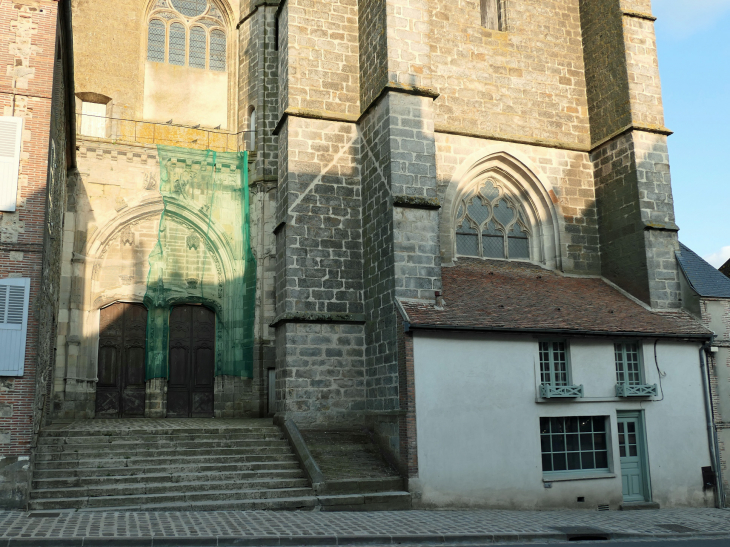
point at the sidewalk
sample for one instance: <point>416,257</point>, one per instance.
<point>316,528</point>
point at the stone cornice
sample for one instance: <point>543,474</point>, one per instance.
<point>658,129</point>
<point>416,202</point>
<point>546,143</point>
<point>318,317</point>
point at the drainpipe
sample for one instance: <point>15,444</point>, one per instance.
<point>711,433</point>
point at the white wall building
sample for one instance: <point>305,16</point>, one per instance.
<point>545,400</point>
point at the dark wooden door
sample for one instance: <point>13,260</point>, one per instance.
<point>192,362</point>
<point>120,391</point>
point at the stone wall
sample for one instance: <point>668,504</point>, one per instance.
<point>528,82</point>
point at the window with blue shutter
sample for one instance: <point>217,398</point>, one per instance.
<point>14,298</point>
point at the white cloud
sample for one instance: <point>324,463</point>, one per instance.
<point>685,18</point>
<point>719,258</point>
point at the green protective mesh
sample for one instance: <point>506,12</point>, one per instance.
<point>203,255</point>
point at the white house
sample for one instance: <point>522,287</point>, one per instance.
<point>534,389</point>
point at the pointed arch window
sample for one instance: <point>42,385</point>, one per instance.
<point>490,223</point>
<point>177,44</point>
<point>217,50</point>
<point>156,41</point>
<point>197,47</point>
<point>187,33</point>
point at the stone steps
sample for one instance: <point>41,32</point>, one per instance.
<point>222,496</point>
<point>46,472</point>
<point>156,449</point>
<point>98,466</point>
<point>93,479</point>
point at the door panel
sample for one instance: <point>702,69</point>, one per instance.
<point>634,470</point>
<point>192,362</point>
<point>120,391</point>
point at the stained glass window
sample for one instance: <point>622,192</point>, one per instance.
<point>190,8</point>
<point>497,216</point>
<point>176,53</point>
<point>197,47</point>
<point>156,41</point>
<point>218,50</point>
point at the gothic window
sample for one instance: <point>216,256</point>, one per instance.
<point>193,32</point>
<point>177,44</point>
<point>156,41</point>
<point>493,14</point>
<point>490,224</point>
<point>217,50</point>
<point>197,47</point>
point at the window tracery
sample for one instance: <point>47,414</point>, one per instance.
<point>490,223</point>
<point>187,32</point>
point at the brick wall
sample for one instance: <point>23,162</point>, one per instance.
<point>32,88</point>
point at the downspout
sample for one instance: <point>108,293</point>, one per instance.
<point>711,433</point>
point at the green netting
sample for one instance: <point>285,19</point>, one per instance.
<point>203,255</point>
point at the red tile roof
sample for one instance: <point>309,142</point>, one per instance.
<point>515,296</point>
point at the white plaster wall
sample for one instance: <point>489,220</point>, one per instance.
<point>478,419</point>
<point>188,96</point>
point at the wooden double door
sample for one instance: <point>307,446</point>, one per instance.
<point>192,362</point>
<point>120,391</point>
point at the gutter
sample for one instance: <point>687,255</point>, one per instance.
<point>711,430</point>
<point>568,332</point>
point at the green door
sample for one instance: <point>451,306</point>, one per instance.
<point>634,474</point>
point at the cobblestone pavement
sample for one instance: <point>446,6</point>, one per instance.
<point>318,528</point>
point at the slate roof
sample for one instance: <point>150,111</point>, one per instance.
<point>704,278</point>
<point>498,295</point>
<point>725,268</point>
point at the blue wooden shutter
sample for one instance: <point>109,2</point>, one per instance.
<point>14,298</point>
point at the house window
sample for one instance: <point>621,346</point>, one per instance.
<point>574,444</point>
<point>490,223</point>
<point>11,134</point>
<point>554,363</point>
<point>192,30</point>
<point>628,364</point>
<point>493,14</point>
<point>14,300</point>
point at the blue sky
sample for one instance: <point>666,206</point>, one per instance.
<point>694,64</point>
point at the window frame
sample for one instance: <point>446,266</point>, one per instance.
<point>596,472</point>
<point>640,356</point>
<point>568,367</point>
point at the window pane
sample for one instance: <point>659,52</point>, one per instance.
<point>572,443</point>
<point>602,460</point>
<point>559,463</point>
<point>544,425</point>
<point>493,246</point>
<point>467,244</point>
<point>545,363</point>
<point>571,425</point>
<point>574,459</point>
<point>586,442</point>
<point>477,210</point>
<point>599,423</point>
<point>632,365</point>
<point>218,51</point>
<point>618,351</point>
<point>587,460</point>
<point>519,246</point>
<point>502,213</point>
<point>176,53</point>
<point>190,8</point>
<point>197,48</point>
<point>545,443</point>
<point>599,440</point>
<point>557,425</point>
<point>547,462</point>
<point>489,191</point>
<point>156,41</point>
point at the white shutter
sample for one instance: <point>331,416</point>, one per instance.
<point>14,298</point>
<point>11,135</point>
<point>93,119</point>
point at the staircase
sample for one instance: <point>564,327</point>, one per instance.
<point>173,464</point>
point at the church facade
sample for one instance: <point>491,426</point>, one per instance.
<point>298,209</point>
